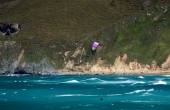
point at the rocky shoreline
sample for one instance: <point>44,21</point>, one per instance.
<point>99,68</point>
<point>118,73</point>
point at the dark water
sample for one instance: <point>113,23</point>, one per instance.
<point>84,92</point>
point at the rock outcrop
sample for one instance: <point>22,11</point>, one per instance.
<point>9,29</point>
<point>16,64</point>
<point>146,4</point>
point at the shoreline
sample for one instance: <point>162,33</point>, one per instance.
<point>102,73</point>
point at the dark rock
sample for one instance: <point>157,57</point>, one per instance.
<point>146,4</point>
<point>9,29</point>
<point>113,4</point>
<point>20,72</point>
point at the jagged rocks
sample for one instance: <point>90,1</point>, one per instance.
<point>9,29</point>
<point>166,64</point>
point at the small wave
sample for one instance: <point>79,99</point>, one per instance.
<point>122,82</point>
<point>160,83</point>
<point>121,78</point>
<point>72,81</point>
<point>40,81</point>
<point>73,95</point>
<point>93,79</point>
<point>139,82</point>
<point>3,93</point>
<point>166,75</point>
<point>150,90</point>
<point>139,91</point>
<point>141,77</point>
<point>140,101</point>
<point>136,91</point>
<point>113,94</point>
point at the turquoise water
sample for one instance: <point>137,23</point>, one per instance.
<point>27,92</point>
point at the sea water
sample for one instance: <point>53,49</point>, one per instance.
<point>64,92</point>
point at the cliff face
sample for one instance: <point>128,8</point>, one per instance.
<point>119,67</point>
<point>12,61</point>
<point>15,64</point>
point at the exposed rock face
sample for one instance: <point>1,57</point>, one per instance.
<point>120,62</point>
<point>9,29</point>
<point>18,65</point>
<point>5,44</point>
<point>15,63</point>
<point>166,64</point>
<point>119,66</point>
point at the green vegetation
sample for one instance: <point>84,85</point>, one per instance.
<point>52,27</point>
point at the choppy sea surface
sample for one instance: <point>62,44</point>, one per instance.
<point>63,92</point>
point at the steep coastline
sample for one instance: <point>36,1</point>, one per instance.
<point>17,65</point>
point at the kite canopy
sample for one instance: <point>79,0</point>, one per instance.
<point>95,45</point>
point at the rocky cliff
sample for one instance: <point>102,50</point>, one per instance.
<point>15,64</point>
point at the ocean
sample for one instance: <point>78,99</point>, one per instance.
<point>83,92</point>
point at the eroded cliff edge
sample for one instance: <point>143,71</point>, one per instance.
<point>16,64</point>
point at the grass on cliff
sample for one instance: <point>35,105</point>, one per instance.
<point>141,37</point>
<point>52,27</point>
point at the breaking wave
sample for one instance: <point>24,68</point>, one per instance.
<point>139,91</point>
<point>160,83</point>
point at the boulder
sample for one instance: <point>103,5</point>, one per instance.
<point>9,29</point>
<point>146,4</point>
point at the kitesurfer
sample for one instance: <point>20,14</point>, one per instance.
<point>101,98</point>
<point>94,47</point>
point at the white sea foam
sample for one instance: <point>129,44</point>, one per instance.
<point>40,81</point>
<point>72,81</point>
<point>138,82</point>
<point>139,91</point>
<point>122,82</point>
<point>136,91</point>
<point>150,90</point>
<point>139,101</point>
<point>72,95</point>
<point>121,78</point>
<point>113,94</point>
<point>160,83</point>
<point>4,93</point>
<point>141,77</point>
<point>166,75</point>
<point>92,79</point>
